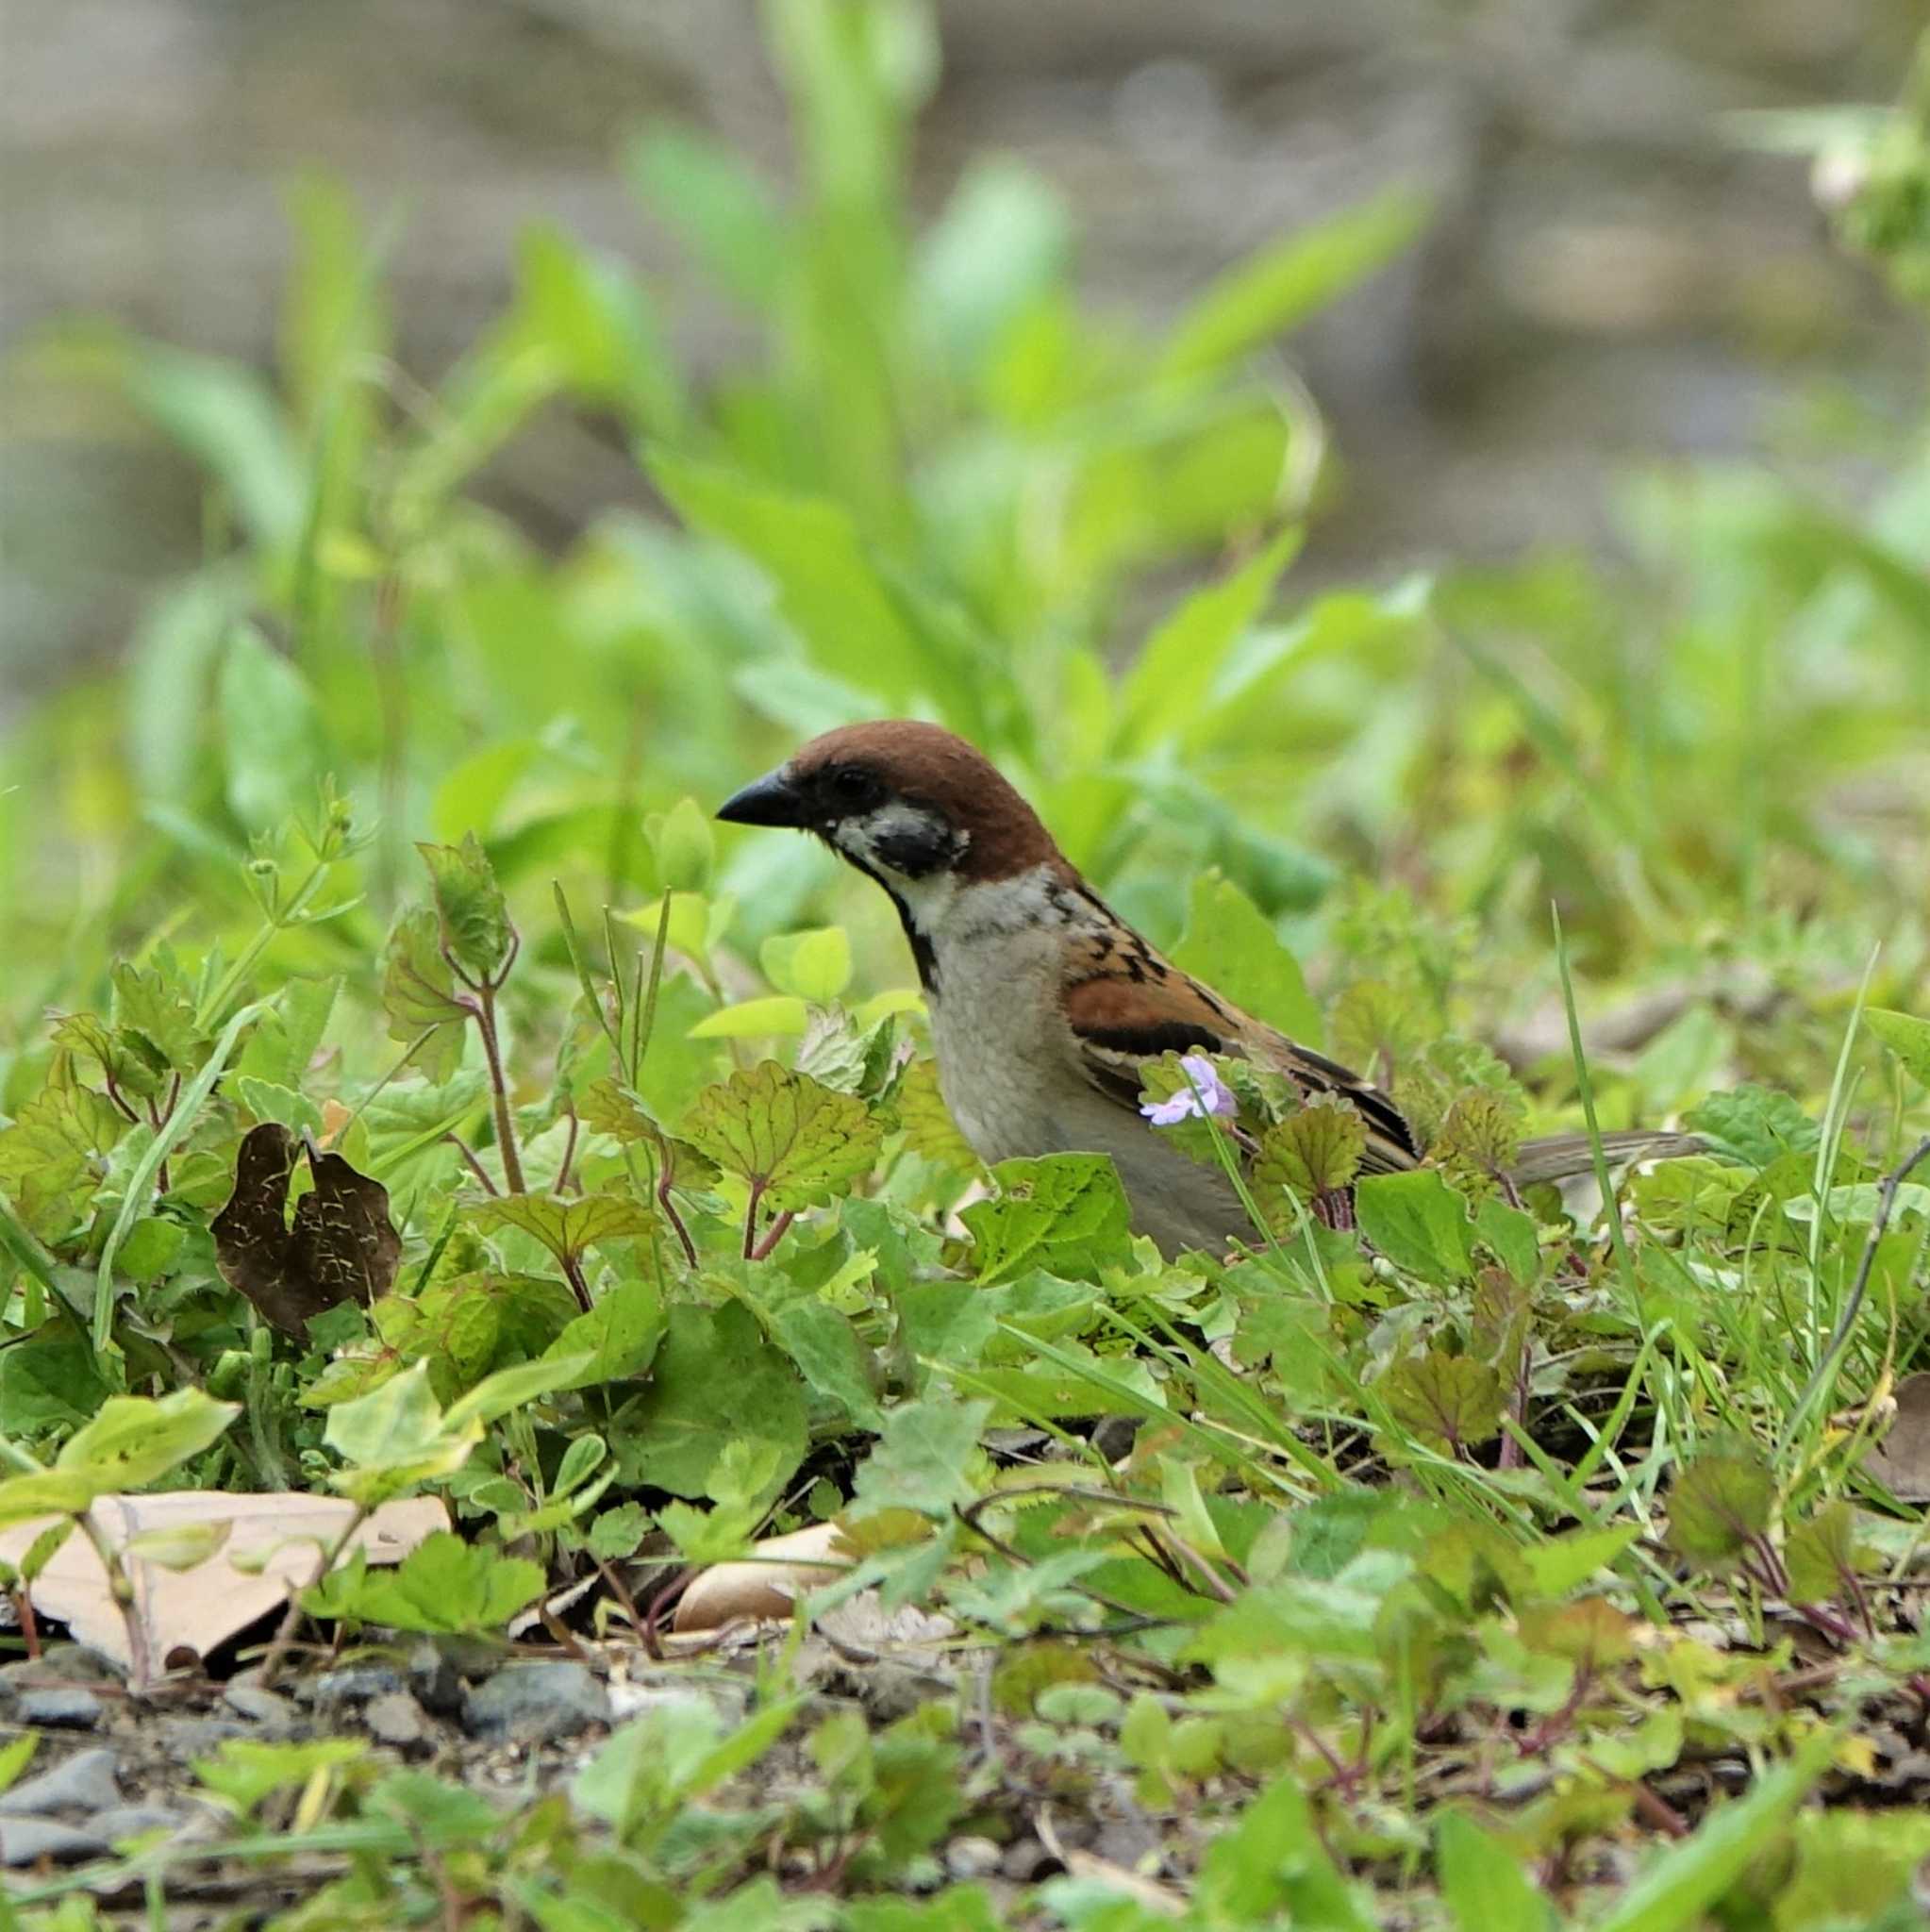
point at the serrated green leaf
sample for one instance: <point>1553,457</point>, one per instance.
<point>929,1128</point>
<point>160,1009</point>
<point>1065,1213</point>
<point>1450,1400</point>
<point>418,994</point>
<point>443,1584</point>
<point>473,914</point>
<point>1313,1151</point>
<point>50,1158</point>
<point>1719,1504</point>
<point>791,1139</point>
<point>922,1459</point>
<point>565,1224</point>
<point>1820,1554</point>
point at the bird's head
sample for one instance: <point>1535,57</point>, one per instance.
<point>916,807</point>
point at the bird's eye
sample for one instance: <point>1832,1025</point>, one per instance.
<point>853,787</point>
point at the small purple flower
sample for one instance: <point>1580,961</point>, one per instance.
<point>1213,1096</point>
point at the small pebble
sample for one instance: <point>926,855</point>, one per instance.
<point>63,1708</point>
<point>536,1704</point>
<point>971,1857</point>
<point>353,1684</point>
<point>27,1840</point>
<point>85,1782</point>
<point>397,1718</point>
<point>269,1708</point>
<point>130,1821</point>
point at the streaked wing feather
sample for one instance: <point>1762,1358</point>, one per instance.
<point>1122,1021</point>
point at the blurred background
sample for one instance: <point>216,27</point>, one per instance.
<point>1608,270</point>
<point>1424,459</point>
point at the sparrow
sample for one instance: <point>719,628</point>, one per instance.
<point>1044,1004</point>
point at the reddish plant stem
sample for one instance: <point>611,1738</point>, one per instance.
<point>773,1235</point>
<point>666,1205</point>
<point>476,1166</point>
<point>485,1009</point>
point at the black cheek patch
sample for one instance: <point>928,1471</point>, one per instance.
<point>916,850</point>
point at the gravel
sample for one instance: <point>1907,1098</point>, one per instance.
<point>536,1704</point>
<point>87,1781</point>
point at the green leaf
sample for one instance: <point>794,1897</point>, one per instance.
<point>1449,1400</point>
<point>1557,1565</point>
<point>1278,287</point>
<point>1065,1213</point>
<point>1483,1883</point>
<point>1230,944</point>
<point>1679,1885</point>
<point>923,1459</point>
<point>1754,1125</point>
<point>853,626</point>
<point>1719,1504</point>
<point>724,212</point>
<point>565,1224</point>
<point>473,915</point>
<point>814,965</point>
<point>1821,1556</point>
<point>685,847</point>
<point>443,1584</point>
<point>394,1437</point>
<point>1165,690</point>
<point>760,1019</point>
<point>716,1381</point>
<point>135,1440</point>
<point>418,994</point>
<point>512,1388</point>
<point>160,1010</point>
<point>1419,1223</point>
<point>618,1336</point>
<point>1906,1035</point>
<point>46,1493</point>
<point>1314,1150</point>
<point>1272,1867</point>
<point>929,1128</point>
<point>270,733</point>
<point>50,1162</point>
<point>791,1139</point>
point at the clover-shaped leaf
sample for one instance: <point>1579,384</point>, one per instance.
<point>792,1139</point>
<point>566,1225</point>
<point>1448,1399</point>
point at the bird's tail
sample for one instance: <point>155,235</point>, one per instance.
<point>1562,1157</point>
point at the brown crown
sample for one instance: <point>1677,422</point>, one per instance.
<point>926,765</point>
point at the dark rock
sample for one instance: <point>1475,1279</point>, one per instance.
<point>27,1840</point>
<point>85,1782</point>
<point>130,1821</point>
<point>59,1707</point>
<point>397,1718</point>
<point>435,1676</point>
<point>352,1684</point>
<point>536,1704</point>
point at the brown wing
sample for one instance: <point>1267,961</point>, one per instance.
<point>1127,1005</point>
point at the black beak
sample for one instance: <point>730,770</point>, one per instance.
<point>770,800</point>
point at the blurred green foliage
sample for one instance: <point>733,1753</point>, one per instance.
<point>927,479</point>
